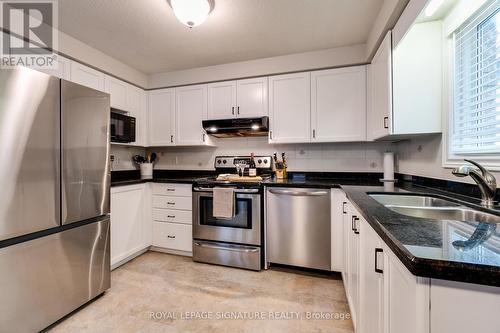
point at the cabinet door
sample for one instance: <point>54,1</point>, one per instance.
<point>371,281</point>
<point>162,117</point>
<point>127,218</point>
<point>252,98</point>
<point>63,70</point>
<point>338,105</point>
<point>290,108</point>
<point>87,76</point>
<point>222,100</point>
<point>406,298</point>
<point>191,109</point>
<point>380,91</point>
<point>137,107</point>
<point>353,266</point>
<point>117,89</point>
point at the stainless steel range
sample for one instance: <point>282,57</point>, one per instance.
<point>235,241</point>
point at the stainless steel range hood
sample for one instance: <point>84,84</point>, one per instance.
<point>226,128</point>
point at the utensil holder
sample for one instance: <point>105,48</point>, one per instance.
<point>281,173</point>
<point>146,170</point>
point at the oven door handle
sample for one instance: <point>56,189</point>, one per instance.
<point>239,190</point>
<point>228,248</point>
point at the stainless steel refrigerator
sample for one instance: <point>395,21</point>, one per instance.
<point>54,198</point>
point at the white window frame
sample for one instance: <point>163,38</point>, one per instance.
<point>490,161</point>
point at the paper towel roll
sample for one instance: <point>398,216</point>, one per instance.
<point>388,166</point>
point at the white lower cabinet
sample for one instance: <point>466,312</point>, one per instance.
<point>383,296</point>
<point>173,236</point>
<point>130,227</point>
<point>172,217</point>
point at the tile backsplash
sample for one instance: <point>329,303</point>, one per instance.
<point>333,157</point>
<point>122,157</point>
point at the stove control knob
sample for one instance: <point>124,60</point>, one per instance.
<point>219,161</point>
<point>265,161</point>
<point>224,161</point>
<point>259,161</point>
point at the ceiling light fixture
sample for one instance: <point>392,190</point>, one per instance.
<point>432,7</point>
<point>192,12</point>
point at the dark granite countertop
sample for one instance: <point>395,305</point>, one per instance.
<point>123,178</point>
<point>425,245</point>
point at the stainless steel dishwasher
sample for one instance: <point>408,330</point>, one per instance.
<point>298,227</point>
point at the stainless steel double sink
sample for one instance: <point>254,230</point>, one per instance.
<point>432,208</point>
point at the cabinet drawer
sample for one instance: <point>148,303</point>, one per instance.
<point>163,201</point>
<point>173,236</point>
<point>172,215</point>
<point>180,190</point>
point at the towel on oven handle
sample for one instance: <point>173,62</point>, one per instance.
<point>223,206</point>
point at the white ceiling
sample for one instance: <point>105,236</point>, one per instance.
<point>146,35</point>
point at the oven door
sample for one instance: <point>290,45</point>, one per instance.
<point>243,228</point>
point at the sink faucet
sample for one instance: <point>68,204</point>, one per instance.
<point>484,179</point>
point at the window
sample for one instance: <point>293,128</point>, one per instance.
<point>475,119</point>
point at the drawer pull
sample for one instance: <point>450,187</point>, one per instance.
<point>171,236</point>
<point>170,203</point>
<point>171,216</point>
<point>171,189</point>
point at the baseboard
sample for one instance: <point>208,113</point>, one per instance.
<point>130,257</point>
<point>169,251</point>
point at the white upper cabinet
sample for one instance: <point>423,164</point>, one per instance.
<point>405,84</point>
<point>136,105</point>
<point>87,76</point>
<point>380,91</point>
<point>162,117</point>
<point>290,108</point>
<point>242,99</point>
<point>191,109</point>
<point>222,100</point>
<point>338,105</point>
<point>252,98</point>
<point>63,70</point>
<point>117,89</point>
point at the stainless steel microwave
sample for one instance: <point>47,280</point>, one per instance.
<point>122,128</point>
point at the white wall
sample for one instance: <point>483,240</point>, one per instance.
<point>355,157</point>
<point>86,54</point>
<point>340,56</point>
<point>422,157</point>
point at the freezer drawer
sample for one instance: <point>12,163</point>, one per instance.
<point>298,227</point>
<point>85,152</point>
<point>46,278</point>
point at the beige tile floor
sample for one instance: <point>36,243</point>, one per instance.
<point>172,287</point>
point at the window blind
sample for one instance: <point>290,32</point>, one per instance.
<point>476,111</point>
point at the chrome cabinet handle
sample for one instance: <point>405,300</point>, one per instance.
<point>171,139</point>
<point>232,110</point>
<point>299,193</point>
<point>238,110</point>
<point>171,216</point>
<point>377,251</point>
<point>227,248</point>
<point>343,207</point>
<point>203,137</point>
<point>354,226</point>
<point>314,134</point>
<point>168,236</point>
<point>386,122</point>
<point>170,203</point>
<point>171,189</point>
<point>271,135</point>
